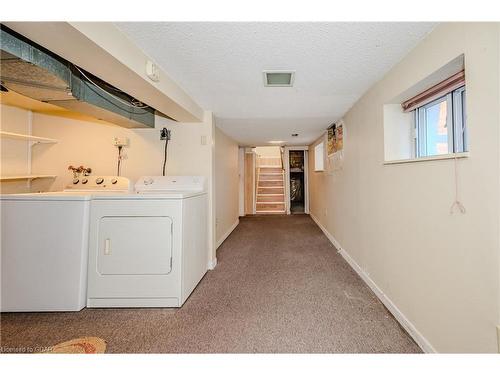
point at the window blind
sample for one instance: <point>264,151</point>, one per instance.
<point>442,88</point>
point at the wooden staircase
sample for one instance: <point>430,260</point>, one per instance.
<point>270,190</point>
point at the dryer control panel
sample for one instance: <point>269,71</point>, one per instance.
<point>170,183</point>
<point>100,183</point>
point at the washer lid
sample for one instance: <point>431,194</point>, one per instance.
<point>49,196</point>
<point>159,184</point>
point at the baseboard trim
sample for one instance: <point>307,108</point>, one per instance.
<point>226,235</point>
<point>421,341</point>
<point>211,264</point>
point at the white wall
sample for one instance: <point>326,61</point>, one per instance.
<point>241,173</point>
<point>226,185</point>
<point>90,144</point>
<point>268,152</point>
<point>398,125</point>
<point>440,270</point>
<point>498,319</point>
<point>14,154</point>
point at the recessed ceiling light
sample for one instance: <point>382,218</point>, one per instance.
<point>278,78</point>
<point>276,141</point>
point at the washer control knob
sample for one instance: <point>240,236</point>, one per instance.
<point>84,181</point>
<point>75,181</point>
<point>114,181</point>
<point>99,180</point>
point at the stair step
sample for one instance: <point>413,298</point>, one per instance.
<point>271,183</point>
<point>270,206</point>
<point>270,190</point>
<point>272,162</point>
<point>270,212</point>
<point>270,198</point>
<point>270,177</point>
<point>270,169</point>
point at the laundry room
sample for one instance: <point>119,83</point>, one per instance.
<point>249,187</point>
<point>91,144</point>
<point>55,158</point>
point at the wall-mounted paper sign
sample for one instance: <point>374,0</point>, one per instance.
<point>335,141</point>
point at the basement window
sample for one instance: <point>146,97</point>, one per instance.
<point>440,126</point>
<point>428,121</point>
<point>319,157</point>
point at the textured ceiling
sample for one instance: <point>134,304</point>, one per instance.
<point>220,65</point>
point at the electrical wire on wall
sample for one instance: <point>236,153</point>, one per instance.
<point>165,158</point>
<point>456,203</point>
<point>118,169</point>
<point>165,136</point>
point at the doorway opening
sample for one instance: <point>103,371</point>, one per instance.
<point>297,181</point>
<point>262,185</point>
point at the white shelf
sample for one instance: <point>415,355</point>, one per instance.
<point>26,137</point>
<point>26,177</point>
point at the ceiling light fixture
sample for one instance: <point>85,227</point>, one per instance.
<point>295,135</point>
<point>278,78</point>
<point>276,142</point>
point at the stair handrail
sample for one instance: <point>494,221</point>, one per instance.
<point>282,158</point>
<point>257,179</point>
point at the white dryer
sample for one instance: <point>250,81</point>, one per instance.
<point>44,243</point>
<point>148,249</point>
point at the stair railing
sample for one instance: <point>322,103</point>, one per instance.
<point>282,154</point>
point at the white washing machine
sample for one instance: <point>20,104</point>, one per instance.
<point>148,249</point>
<point>44,245</point>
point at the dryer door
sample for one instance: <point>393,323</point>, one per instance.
<point>135,245</point>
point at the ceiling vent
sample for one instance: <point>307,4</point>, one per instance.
<point>278,78</point>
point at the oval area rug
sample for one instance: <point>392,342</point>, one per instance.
<point>82,345</point>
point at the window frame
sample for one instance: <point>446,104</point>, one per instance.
<point>461,140</point>
<point>455,119</point>
<point>319,160</point>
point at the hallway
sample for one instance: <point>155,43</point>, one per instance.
<point>279,286</point>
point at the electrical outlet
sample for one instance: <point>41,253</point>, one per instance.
<point>152,71</point>
<point>165,134</point>
<point>120,141</point>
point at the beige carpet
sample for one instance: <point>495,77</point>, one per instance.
<point>279,286</point>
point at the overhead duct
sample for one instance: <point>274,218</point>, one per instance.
<point>32,71</point>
